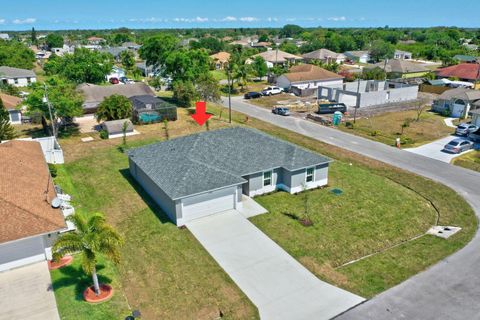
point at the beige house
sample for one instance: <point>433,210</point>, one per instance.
<point>324,55</point>
<point>220,59</point>
<point>277,57</point>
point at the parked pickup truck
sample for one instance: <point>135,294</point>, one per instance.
<point>327,108</point>
<point>475,136</point>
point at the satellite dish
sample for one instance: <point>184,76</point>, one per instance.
<point>56,203</point>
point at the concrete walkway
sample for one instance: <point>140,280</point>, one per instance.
<point>447,290</point>
<point>276,283</point>
<point>449,122</point>
<point>26,294</point>
<point>434,150</point>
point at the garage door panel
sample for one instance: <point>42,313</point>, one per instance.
<point>207,204</point>
<point>17,253</point>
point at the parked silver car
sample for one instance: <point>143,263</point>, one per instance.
<point>463,129</point>
<point>458,146</point>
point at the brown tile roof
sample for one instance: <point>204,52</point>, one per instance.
<point>221,56</point>
<point>24,178</point>
<point>307,72</point>
<point>277,56</point>
<point>399,66</point>
<point>469,71</point>
<point>10,102</point>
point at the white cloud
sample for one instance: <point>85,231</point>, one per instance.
<point>24,21</point>
<point>270,19</point>
<point>189,20</point>
<point>229,19</point>
<point>248,19</point>
<point>291,19</point>
<point>146,20</point>
<point>342,18</point>
<point>200,19</point>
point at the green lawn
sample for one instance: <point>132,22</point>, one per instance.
<point>387,127</point>
<point>69,283</point>
<point>218,74</point>
<point>469,160</point>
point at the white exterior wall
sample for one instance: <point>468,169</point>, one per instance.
<point>283,82</point>
<point>476,120</point>
<point>21,82</point>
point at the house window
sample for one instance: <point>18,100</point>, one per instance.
<point>15,81</point>
<point>267,178</point>
<point>309,176</point>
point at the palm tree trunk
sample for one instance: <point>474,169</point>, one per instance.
<point>95,281</point>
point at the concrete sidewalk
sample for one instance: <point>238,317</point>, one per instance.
<point>26,293</point>
<point>276,283</point>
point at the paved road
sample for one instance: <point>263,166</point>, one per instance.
<point>435,150</point>
<point>447,290</point>
<point>26,294</point>
<point>280,287</point>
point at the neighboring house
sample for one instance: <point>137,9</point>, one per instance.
<point>220,59</point>
<point>470,46</point>
<point>469,72</point>
<point>132,45</point>
<point>29,224</point>
<point>12,104</point>
<point>95,41</point>
<point>369,93</point>
<point>66,49</point>
<point>207,173</point>
<point>114,51</point>
<point>325,56</point>
<point>457,102</point>
<point>148,109</point>
<point>396,68</point>
<point>94,95</point>
<point>4,36</point>
<point>17,77</point>
<point>147,71</point>
<point>115,128</point>
<point>278,57</point>
<point>402,55</point>
<point>308,76</point>
<point>358,56</point>
<point>261,45</point>
<point>465,58</point>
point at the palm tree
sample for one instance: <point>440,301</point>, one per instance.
<point>93,236</point>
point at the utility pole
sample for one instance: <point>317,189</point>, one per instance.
<point>45,100</point>
<point>357,103</point>
<point>229,94</point>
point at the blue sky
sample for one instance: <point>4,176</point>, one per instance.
<point>99,14</point>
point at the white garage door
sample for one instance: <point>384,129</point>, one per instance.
<point>207,204</point>
<point>22,252</point>
<point>457,110</point>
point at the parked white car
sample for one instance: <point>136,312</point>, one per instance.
<point>269,91</point>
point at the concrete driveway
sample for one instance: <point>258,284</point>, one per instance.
<point>26,293</point>
<point>434,150</point>
<point>447,290</point>
<point>276,283</point>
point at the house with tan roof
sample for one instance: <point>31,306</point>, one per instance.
<point>29,220</point>
<point>325,56</point>
<point>12,104</point>
<point>278,57</point>
<point>220,59</point>
<point>398,68</point>
<point>308,76</point>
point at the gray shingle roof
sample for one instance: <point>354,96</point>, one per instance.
<point>114,126</point>
<point>214,159</point>
<point>9,72</point>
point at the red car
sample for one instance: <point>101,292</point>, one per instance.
<point>114,81</point>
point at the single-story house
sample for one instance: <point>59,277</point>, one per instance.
<point>4,36</point>
<point>325,56</point>
<point>11,104</point>
<point>147,71</point>
<point>368,93</point>
<point>148,109</point>
<point>466,58</point>
<point>207,173</point>
<point>464,72</point>
<point>115,128</point>
<point>17,77</point>
<point>276,57</point>
<point>358,56</point>
<point>402,55</point>
<point>114,51</point>
<point>308,76</point>
<point>95,40</point>
<point>116,73</point>
<point>30,223</point>
<point>94,95</point>
<point>458,102</point>
<point>66,49</point>
<point>132,45</point>
<point>396,68</point>
<point>261,44</point>
<point>220,59</point>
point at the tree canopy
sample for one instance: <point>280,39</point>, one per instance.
<point>115,107</point>
<point>54,40</point>
<point>187,65</point>
<point>7,132</point>
<point>381,50</point>
<point>156,49</point>
<point>15,54</point>
<point>81,66</point>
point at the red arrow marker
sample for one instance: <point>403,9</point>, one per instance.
<point>201,116</point>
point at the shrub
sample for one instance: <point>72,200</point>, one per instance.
<point>349,124</point>
<point>52,169</point>
<point>103,134</point>
<point>374,133</point>
<point>406,140</point>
